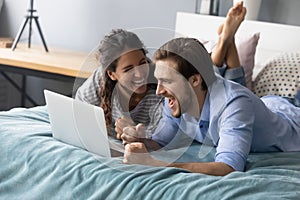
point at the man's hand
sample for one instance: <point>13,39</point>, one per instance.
<point>136,153</point>
<point>121,123</point>
<point>133,134</point>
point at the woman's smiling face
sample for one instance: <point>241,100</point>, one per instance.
<point>132,71</point>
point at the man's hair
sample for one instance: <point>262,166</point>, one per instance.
<point>191,58</point>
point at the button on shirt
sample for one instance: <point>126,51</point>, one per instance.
<point>236,121</point>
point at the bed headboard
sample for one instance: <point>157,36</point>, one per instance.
<point>274,38</point>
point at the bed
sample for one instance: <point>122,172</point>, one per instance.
<point>34,165</point>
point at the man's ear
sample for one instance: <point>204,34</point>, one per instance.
<point>111,75</point>
<point>195,80</point>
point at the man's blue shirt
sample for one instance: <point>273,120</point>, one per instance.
<point>236,122</point>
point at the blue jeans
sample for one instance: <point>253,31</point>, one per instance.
<point>296,100</point>
<point>236,74</point>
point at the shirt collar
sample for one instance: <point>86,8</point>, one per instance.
<point>205,110</point>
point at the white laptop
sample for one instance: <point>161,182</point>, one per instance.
<point>79,124</point>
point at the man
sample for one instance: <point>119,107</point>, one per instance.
<point>224,56</point>
<point>207,107</point>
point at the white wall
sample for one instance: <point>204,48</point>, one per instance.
<point>80,24</point>
<point>280,11</point>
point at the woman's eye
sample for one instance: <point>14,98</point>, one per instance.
<point>144,63</point>
<point>127,69</point>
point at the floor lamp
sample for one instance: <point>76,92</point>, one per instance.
<point>28,19</point>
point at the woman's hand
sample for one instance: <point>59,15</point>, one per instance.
<point>133,134</point>
<point>121,123</point>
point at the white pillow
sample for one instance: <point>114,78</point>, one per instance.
<point>280,76</point>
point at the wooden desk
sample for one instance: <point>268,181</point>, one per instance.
<point>57,64</point>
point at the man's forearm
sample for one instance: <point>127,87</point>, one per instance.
<point>210,168</point>
<point>151,145</point>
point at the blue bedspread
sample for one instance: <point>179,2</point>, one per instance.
<point>33,165</point>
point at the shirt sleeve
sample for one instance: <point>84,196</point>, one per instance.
<point>88,91</point>
<point>236,132</point>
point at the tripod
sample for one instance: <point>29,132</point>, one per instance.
<point>28,18</point>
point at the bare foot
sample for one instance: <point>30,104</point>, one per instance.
<point>226,33</point>
<point>220,29</point>
<point>234,18</point>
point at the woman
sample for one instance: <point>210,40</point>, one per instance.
<point>125,89</point>
<point>122,85</point>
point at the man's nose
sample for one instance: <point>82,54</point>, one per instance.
<point>160,90</point>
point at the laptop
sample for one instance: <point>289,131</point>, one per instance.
<point>79,124</point>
